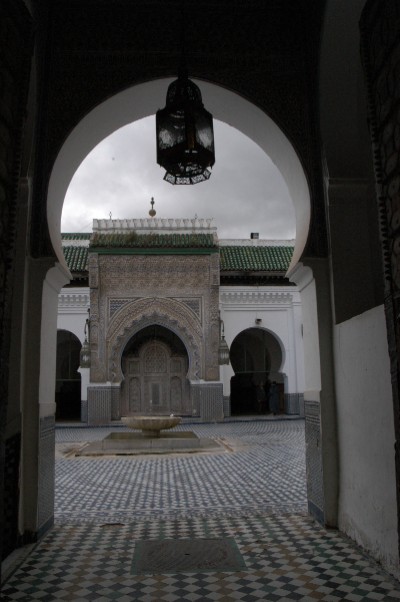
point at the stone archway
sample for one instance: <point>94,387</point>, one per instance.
<point>144,100</point>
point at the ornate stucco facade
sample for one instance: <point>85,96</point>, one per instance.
<point>156,312</point>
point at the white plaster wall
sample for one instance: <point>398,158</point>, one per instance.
<point>303,277</point>
<point>367,498</point>
<point>281,316</point>
<point>73,304</point>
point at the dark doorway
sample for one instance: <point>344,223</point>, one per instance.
<point>68,379</point>
<point>256,358</point>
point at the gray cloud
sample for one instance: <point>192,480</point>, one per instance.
<point>245,193</point>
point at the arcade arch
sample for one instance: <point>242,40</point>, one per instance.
<point>257,358</point>
<point>143,100</point>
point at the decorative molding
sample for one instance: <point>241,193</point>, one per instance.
<point>155,224</point>
<point>70,301</point>
<point>164,312</point>
<point>115,305</point>
<point>194,304</point>
<point>75,243</point>
<point>255,298</point>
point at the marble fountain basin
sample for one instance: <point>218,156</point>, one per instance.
<point>151,425</point>
<point>149,440</point>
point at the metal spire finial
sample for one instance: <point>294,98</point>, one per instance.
<point>152,211</point>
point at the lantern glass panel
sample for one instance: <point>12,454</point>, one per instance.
<point>170,129</point>
<point>204,131</point>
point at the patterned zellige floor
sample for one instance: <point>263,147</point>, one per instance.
<point>238,520</point>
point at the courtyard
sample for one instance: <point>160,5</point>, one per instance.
<point>260,469</point>
<point>230,525</point>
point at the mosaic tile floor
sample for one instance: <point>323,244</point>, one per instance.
<point>286,558</point>
<point>282,556</point>
<point>262,470</point>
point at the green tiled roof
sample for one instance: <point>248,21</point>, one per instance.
<point>76,258</point>
<point>253,259</point>
<point>232,258</point>
<point>145,241</point>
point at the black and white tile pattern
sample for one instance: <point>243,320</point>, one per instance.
<point>286,558</point>
<point>263,470</point>
<point>253,495</point>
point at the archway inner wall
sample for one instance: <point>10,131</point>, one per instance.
<point>367,345</point>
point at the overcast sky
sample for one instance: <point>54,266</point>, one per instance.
<point>245,193</point>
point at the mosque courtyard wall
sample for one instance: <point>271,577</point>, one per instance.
<point>363,385</point>
<point>274,309</point>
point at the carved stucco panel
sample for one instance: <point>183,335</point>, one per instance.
<point>138,314</point>
<point>170,274</point>
<point>213,332</point>
<point>93,267</point>
<point>214,269</point>
<point>97,368</point>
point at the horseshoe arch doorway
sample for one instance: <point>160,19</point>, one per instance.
<point>256,357</point>
<point>155,365</point>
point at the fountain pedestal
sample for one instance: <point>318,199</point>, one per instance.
<point>150,441</point>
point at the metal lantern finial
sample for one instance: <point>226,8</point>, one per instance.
<point>185,134</point>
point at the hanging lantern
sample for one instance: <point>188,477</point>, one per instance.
<point>223,352</point>
<point>223,349</point>
<point>185,135</point>
<point>85,355</point>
